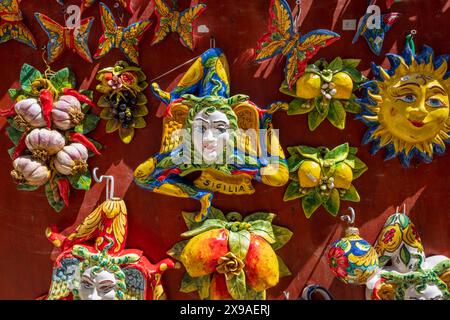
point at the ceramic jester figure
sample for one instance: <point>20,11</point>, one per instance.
<point>228,139</point>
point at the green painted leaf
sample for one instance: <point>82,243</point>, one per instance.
<point>206,225</point>
<point>403,220</point>
<point>359,166</point>
<point>56,205</point>
<point>263,229</point>
<point>26,187</point>
<point>294,163</point>
<point>292,192</point>
<point>81,181</point>
<point>336,65</point>
<point>14,134</point>
<point>405,255</point>
<point>312,68</point>
<point>253,295</point>
<point>27,75</point>
<point>315,119</point>
<point>236,286</point>
<point>88,124</point>
<point>310,203</point>
<point>217,214</point>
<point>354,74</point>
<point>339,153</point>
<point>14,93</point>
<point>351,63</point>
<point>337,114</point>
<point>282,236</point>
<point>353,150</point>
<point>188,284</point>
<point>88,93</point>
<point>309,152</point>
<point>203,284</point>
<point>284,88</point>
<point>322,105</point>
<point>351,195</point>
<point>238,242</point>
<point>11,151</point>
<point>266,216</point>
<point>61,79</point>
<point>282,267</point>
<point>383,260</point>
<point>177,249</point>
<point>300,106</point>
<point>332,203</point>
<point>352,107</point>
<point>139,111</point>
<point>141,99</point>
<point>13,124</point>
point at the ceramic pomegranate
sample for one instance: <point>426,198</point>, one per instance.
<point>67,113</point>
<point>30,171</point>
<point>71,160</point>
<point>44,143</point>
<point>29,114</point>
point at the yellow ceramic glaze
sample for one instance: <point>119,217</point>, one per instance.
<point>343,84</point>
<point>309,174</point>
<point>308,86</point>
<point>343,176</point>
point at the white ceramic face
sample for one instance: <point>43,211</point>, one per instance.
<point>431,292</point>
<point>210,135</point>
<point>101,286</point>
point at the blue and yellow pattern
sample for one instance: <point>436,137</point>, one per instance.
<point>12,26</point>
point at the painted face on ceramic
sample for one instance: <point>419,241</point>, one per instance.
<point>210,135</point>
<point>431,292</point>
<point>98,286</point>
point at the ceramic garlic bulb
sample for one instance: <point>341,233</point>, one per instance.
<point>71,160</point>
<point>29,114</point>
<point>44,143</point>
<point>67,113</point>
<point>30,171</point>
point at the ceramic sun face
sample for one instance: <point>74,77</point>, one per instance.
<point>407,106</point>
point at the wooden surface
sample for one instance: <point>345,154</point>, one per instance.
<point>155,220</point>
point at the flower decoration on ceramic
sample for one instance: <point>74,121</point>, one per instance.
<point>94,264</point>
<point>283,39</point>
<point>352,259</point>
<point>374,31</point>
<point>123,102</point>
<point>61,38</point>
<point>124,38</point>
<point>405,272</point>
<point>323,177</point>
<point>126,4</point>
<point>325,91</point>
<point>406,107</point>
<point>12,26</point>
<point>230,258</point>
<point>47,124</point>
<point>170,20</point>
<point>228,139</point>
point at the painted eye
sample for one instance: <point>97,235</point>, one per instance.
<point>106,289</point>
<point>86,285</point>
<point>435,103</point>
<point>408,98</point>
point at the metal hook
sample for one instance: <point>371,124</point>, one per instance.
<point>212,42</point>
<point>413,32</point>
<point>109,183</point>
<point>349,219</point>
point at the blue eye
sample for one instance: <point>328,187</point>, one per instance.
<point>408,98</point>
<point>435,103</point>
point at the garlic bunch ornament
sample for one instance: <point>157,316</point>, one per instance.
<point>30,171</point>
<point>44,143</point>
<point>29,114</point>
<point>71,160</point>
<point>67,112</point>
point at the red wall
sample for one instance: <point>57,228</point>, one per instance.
<point>155,220</point>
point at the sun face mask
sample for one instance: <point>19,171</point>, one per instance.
<point>47,124</point>
<point>104,270</point>
<point>12,26</point>
<point>406,107</point>
<point>230,258</point>
<point>228,139</point>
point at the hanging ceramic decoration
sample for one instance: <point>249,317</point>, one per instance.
<point>12,26</point>
<point>410,275</point>
<point>123,100</point>
<point>323,177</point>
<point>325,91</point>
<point>126,39</point>
<point>228,139</point>
<point>230,258</point>
<point>47,124</point>
<point>352,259</point>
<point>283,38</point>
<point>104,269</point>
<point>62,38</point>
<point>373,33</point>
<point>406,107</point>
<point>170,20</point>
<point>126,4</point>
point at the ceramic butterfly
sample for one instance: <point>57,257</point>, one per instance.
<point>62,38</point>
<point>173,21</point>
<point>125,3</point>
<point>281,38</point>
<point>11,25</point>
<point>126,39</point>
<point>375,36</point>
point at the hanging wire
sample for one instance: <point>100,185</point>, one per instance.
<point>349,219</point>
<point>109,183</point>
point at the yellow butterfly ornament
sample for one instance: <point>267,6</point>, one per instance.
<point>11,25</point>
